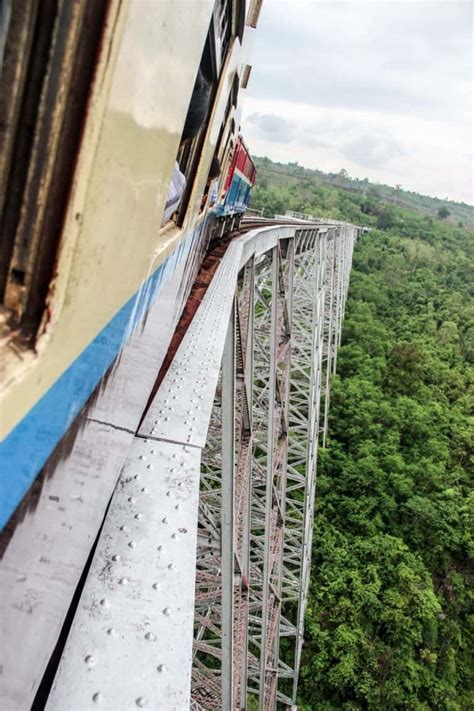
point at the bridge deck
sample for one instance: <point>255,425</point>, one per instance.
<point>131,641</point>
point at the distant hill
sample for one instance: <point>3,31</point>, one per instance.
<point>315,188</point>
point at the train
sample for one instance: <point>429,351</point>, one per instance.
<point>96,264</point>
<point>237,186</point>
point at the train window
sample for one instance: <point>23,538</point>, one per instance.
<point>245,76</point>
<point>215,50</point>
<point>226,23</point>
<point>253,13</point>
<point>48,50</point>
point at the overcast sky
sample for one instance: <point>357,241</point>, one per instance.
<point>382,88</point>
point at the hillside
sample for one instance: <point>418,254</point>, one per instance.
<point>390,621</point>
<point>292,187</point>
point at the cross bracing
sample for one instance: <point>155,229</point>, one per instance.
<point>223,473</point>
<point>280,352</point>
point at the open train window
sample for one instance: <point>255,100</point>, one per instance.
<point>226,23</point>
<point>254,13</point>
<point>49,50</point>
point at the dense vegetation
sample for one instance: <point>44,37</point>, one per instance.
<point>390,621</point>
<point>289,186</point>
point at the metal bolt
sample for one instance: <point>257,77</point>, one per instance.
<point>167,611</point>
<point>90,660</point>
<point>123,581</point>
<point>150,637</point>
<point>97,698</point>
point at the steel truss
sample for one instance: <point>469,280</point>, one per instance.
<point>216,497</point>
<point>258,471</point>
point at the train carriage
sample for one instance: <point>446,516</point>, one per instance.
<point>237,186</point>
<point>92,280</point>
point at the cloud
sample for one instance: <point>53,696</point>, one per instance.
<point>272,127</point>
<point>372,151</point>
<point>381,88</point>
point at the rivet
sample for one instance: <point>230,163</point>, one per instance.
<point>142,457</point>
<point>167,419</point>
<point>159,548</point>
<point>174,536</point>
<point>156,586</point>
<point>146,441</point>
<point>141,702</point>
<point>181,484</point>
<point>153,451</point>
<point>138,516</point>
<point>97,698</point>
<point>160,668</point>
<point>132,544</point>
<point>112,632</point>
<point>137,476</point>
<point>183,530</point>
<point>171,566</point>
<point>149,466</point>
<point>89,659</point>
<point>168,493</point>
<point>116,557</point>
<point>131,500</point>
<point>150,636</point>
<point>153,430</point>
<point>144,490</point>
<point>177,507</point>
<point>167,611</point>
<point>124,528</point>
<point>164,520</point>
<point>104,602</point>
<point>123,581</point>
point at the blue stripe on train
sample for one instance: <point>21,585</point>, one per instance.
<point>236,199</point>
<point>26,449</point>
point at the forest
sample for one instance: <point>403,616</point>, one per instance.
<point>390,621</point>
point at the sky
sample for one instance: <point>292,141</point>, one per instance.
<point>381,88</point>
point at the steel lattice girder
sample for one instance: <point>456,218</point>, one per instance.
<point>218,494</point>
<point>280,353</point>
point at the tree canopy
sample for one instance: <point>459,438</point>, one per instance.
<point>390,621</point>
